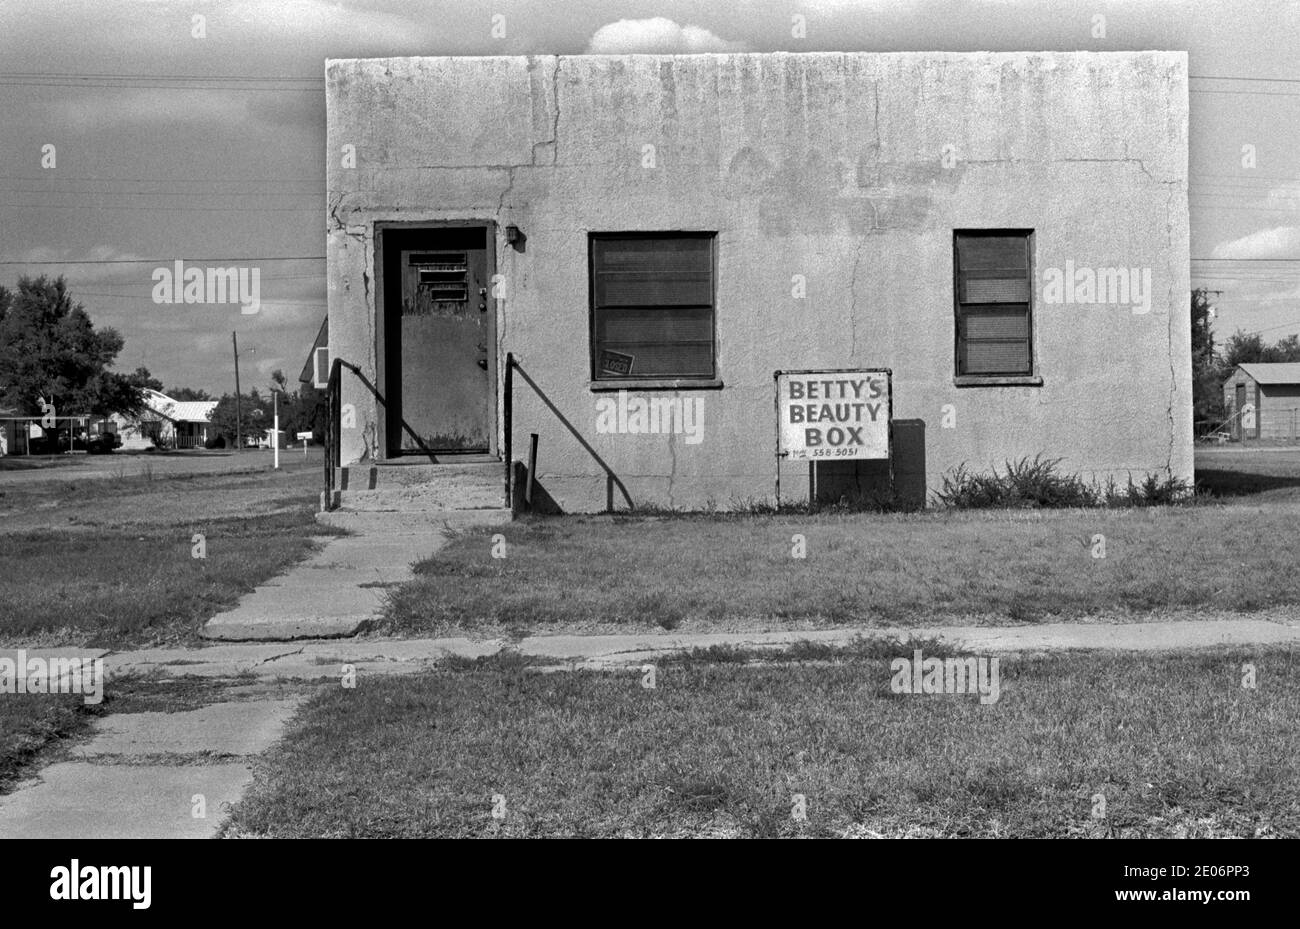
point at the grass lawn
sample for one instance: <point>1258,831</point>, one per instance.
<point>740,572</point>
<point>1266,473</point>
<point>109,563</point>
<point>1175,745</point>
<point>715,573</point>
<point>31,723</point>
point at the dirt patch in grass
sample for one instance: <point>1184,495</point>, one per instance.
<point>140,694</point>
<point>1174,744</point>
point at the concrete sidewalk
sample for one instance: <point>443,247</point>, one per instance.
<point>325,659</point>
<point>149,775</point>
<point>340,589</point>
<point>335,592</point>
<point>144,774</point>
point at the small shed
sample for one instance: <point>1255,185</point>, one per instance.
<point>1267,394</point>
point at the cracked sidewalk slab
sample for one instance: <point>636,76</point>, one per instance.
<point>146,775</point>
<point>230,729</point>
<point>84,800</point>
<point>334,593</point>
<point>326,659</point>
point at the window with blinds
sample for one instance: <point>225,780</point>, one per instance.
<point>652,297</point>
<point>992,287</point>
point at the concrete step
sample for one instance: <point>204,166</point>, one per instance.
<point>379,475</point>
<point>428,497</point>
<point>442,458</point>
<point>389,523</point>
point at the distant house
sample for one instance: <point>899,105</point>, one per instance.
<point>165,422</point>
<point>316,369</point>
<point>8,430</point>
<point>1268,397</point>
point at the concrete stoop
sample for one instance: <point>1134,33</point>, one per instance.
<point>418,488</point>
<point>395,522</point>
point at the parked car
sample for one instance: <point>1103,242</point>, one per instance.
<point>104,443</point>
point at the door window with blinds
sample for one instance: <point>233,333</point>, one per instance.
<point>994,312</point>
<point>652,301</point>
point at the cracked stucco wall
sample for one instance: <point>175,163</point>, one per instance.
<point>851,170</point>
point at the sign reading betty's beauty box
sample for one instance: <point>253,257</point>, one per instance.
<point>833,414</point>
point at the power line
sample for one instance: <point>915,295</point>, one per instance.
<point>252,211</point>
<point>145,298</point>
<point>125,75</point>
<point>150,180</point>
<point>62,191</point>
<point>1226,77</point>
<point>119,261</point>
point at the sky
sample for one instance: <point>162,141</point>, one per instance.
<point>204,140</point>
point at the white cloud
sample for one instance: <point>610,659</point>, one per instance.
<point>657,36</point>
<point>1278,242</point>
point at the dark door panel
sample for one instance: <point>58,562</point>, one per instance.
<point>439,338</point>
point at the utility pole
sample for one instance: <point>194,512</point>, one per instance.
<point>239,436</point>
<point>275,428</point>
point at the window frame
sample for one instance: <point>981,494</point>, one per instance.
<point>652,381</point>
<point>1030,378</point>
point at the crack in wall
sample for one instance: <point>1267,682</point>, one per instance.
<point>1051,161</point>
<point>853,300</point>
<point>554,140</point>
<point>509,189</point>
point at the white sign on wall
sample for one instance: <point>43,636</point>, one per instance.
<point>836,415</point>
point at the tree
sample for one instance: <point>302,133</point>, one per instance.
<point>50,350</point>
<point>188,393</point>
<point>142,378</point>
<point>1248,348</point>
<point>290,406</point>
<point>1207,372</point>
<point>254,415</point>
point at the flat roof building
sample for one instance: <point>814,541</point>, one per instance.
<point>1001,239</point>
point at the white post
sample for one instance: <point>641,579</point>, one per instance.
<point>275,426</point>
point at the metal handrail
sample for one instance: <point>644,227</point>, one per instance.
<point>333,428</point>
<point>611,479</point>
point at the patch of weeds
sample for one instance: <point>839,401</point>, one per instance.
<point>1038,482</point>
<point>156,694</point>
<point>33,725</point>
<point>505,661</point>
<point>869,648</point>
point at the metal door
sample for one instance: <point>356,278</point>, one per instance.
<point>445,355</point>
